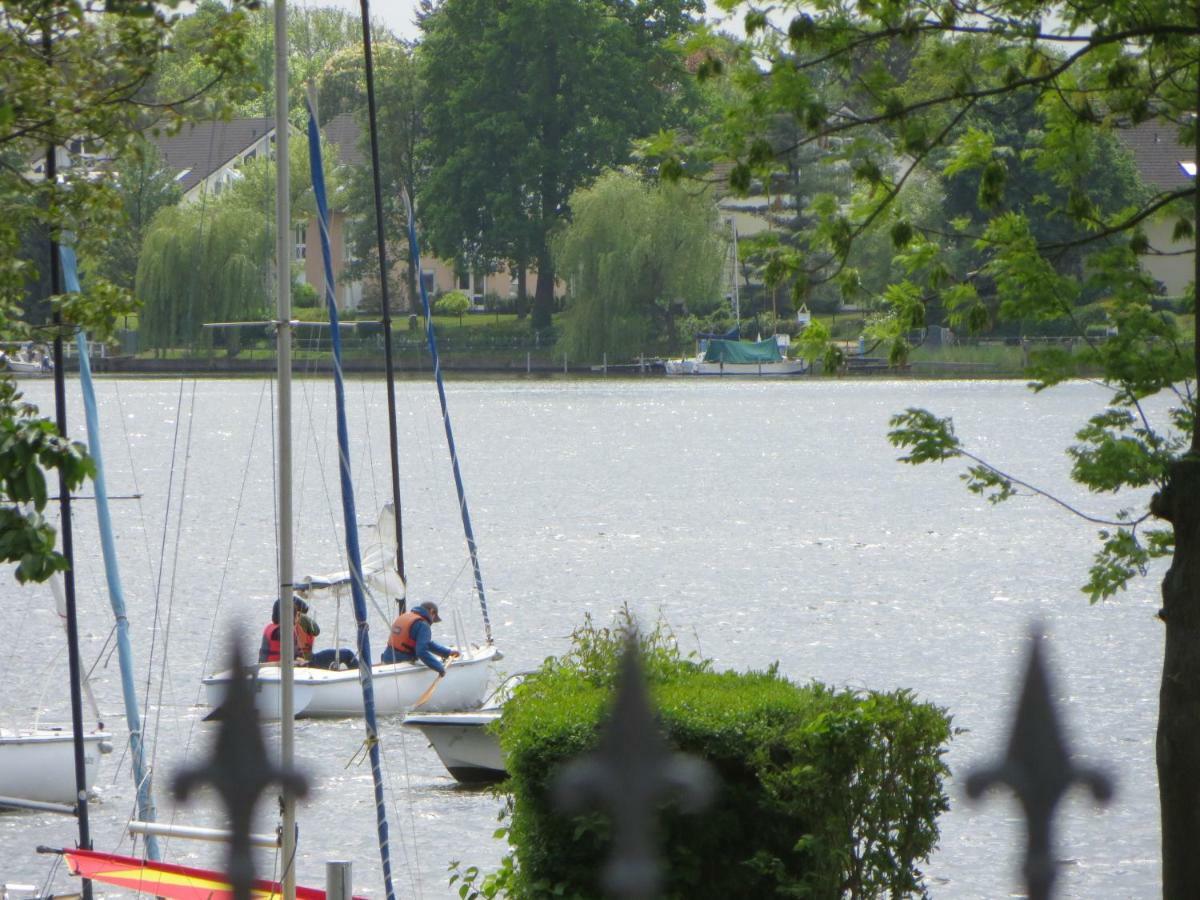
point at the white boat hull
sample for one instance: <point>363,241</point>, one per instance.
<point>39,764</point>
<point>700,367</point>
<point>325,693</point>
<point>468,750</point>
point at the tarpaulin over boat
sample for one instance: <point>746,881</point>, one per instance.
<point>742,351</point>
<point>166,880</point>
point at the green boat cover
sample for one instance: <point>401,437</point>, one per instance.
<point>742,351</point>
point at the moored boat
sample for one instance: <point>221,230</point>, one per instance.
<point>721,356</point>
<point>464,740</point>
<point>38,764</point>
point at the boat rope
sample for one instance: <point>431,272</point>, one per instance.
<point>414,251</point>
<point>116,592</point>
<point>354,557</point>
<point>174,562</point>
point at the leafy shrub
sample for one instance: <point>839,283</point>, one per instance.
<point>823,792</point>
<point>304,295</point>
<point>452,303</point>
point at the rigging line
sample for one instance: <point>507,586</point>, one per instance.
<point>100,653</point>
<point>233,530</point>
<point>322,457</point>
<point>174,574</point>
<point>162,550</point>
<point>409,812</point>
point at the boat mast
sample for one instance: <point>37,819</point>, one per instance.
<point>385,306</point>
<point>112,573</point>
<point>64,500</point>
<point>283,338</point>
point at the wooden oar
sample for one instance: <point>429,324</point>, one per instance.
<point>429,690</point>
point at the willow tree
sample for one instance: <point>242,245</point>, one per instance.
<point>202,264</point>
<point>213,260</point>
<point>636,255</point>
<point>1092,68</point>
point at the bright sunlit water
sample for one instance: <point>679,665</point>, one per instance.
<point>762,521</point>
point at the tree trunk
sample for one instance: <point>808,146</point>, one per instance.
<point>543,298</point>
<point>1178,742</point>
<point>522,289</point>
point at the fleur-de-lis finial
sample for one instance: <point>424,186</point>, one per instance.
<point>630,773</point>
<point>239,770</point>
<point>1037,766</point>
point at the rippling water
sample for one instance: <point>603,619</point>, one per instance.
<point>762,521</point>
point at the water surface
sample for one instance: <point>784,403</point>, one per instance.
<point>762,521</point>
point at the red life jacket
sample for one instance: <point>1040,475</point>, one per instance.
<point>271,638</point>
<point>402,639</point>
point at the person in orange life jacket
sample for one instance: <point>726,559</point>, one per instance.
<point>412,639</point>
<point>305,630</point>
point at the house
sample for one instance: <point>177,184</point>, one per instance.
<point>1165,165</point>
<point>207,158</point>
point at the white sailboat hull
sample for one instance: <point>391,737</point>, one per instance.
<point>324,693</point>
<point>698,366</point>
<point>462,741</point>
<point>39,764</point>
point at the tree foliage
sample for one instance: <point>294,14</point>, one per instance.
<point>529,100</point>
<point>398,91</point>
<point>211,260</point>
<point>74,75</point>
<point>638,255</point>
<point>1013,106</point>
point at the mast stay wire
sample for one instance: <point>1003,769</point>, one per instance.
<point>166,655</point>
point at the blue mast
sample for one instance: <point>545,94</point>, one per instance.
<point>112,574</point>
<point>350,518</point>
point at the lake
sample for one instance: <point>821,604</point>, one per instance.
<point>762,521</point>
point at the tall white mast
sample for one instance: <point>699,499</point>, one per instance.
<point>283,277</point>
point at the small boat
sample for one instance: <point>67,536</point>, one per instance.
<point>332,693</point>
<point>466,745</point>
<point>329,693</point>
<point>721,356</point>
<point>38,764</point>
<point>28,359</point>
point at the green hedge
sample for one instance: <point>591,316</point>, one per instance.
<point>823,793</point>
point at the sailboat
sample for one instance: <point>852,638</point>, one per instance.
<point>398,687</point>
<point>37,766</point>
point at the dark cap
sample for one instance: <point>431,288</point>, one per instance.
<point>297,603</point>
<point>432,609</point>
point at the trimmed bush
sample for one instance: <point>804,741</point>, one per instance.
<point>822,793</point>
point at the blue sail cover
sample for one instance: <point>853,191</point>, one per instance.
<point>349,515</point>
<point>743,352</point>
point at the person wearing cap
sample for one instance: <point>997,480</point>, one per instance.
<point>412,639</point>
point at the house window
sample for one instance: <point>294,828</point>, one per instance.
<point>427,281</point>
<point>464,281</point>
<point>300,236</point>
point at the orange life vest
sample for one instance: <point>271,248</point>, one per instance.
<point>271,639</point>
<point>402,639</point>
